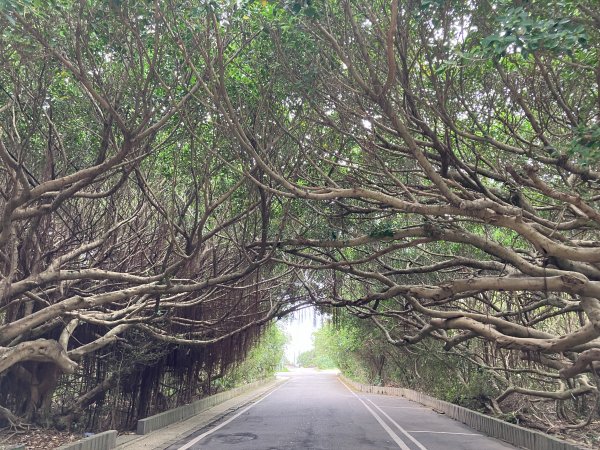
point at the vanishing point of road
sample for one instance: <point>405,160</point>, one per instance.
<point>315,410</point>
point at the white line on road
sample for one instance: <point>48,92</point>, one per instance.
<point>221,425</point>
<point>385,426</point>
<point>402,430</point>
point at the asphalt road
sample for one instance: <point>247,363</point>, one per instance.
<point>317,411</point>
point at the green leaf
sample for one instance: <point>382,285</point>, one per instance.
<point>311,12</point>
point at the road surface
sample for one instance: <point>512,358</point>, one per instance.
<point>314,410</point>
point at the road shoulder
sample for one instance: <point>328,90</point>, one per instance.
<point>169,435</point>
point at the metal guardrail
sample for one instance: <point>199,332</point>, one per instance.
<point>508,432</point>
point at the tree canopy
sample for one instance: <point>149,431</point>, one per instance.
<point>184,172</point>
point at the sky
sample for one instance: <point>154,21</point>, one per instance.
<point>300,328</point>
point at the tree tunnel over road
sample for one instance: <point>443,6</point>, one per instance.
<point>175,175</point>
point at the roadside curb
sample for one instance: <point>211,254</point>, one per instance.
<point>212,409</point>
<point>102,441</point>
<point>108,440</point>
<point>161,420</point>
<point>507,432</point>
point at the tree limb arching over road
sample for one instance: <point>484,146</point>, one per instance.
<point>175,176</point>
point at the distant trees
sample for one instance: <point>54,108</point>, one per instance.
<point>264,359</point>
<point>320,356</point>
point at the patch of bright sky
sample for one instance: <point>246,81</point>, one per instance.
<point>299,327</point>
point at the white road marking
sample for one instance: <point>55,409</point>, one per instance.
<point>402,430</point>
<point>221,425</point>
<point>385,426</point>
<point>445,432</point>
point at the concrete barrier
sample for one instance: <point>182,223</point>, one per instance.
<point>508,432</point>
<point>108,439</point>
<point>101,441</point>
<point>161,420</point>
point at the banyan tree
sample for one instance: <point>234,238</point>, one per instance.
<point>177,174</point>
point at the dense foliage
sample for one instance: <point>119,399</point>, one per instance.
<point>262,361</point>
<point>320,355</point>
<point>177,174</point>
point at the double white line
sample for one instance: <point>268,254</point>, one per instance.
<point>385,426</point>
